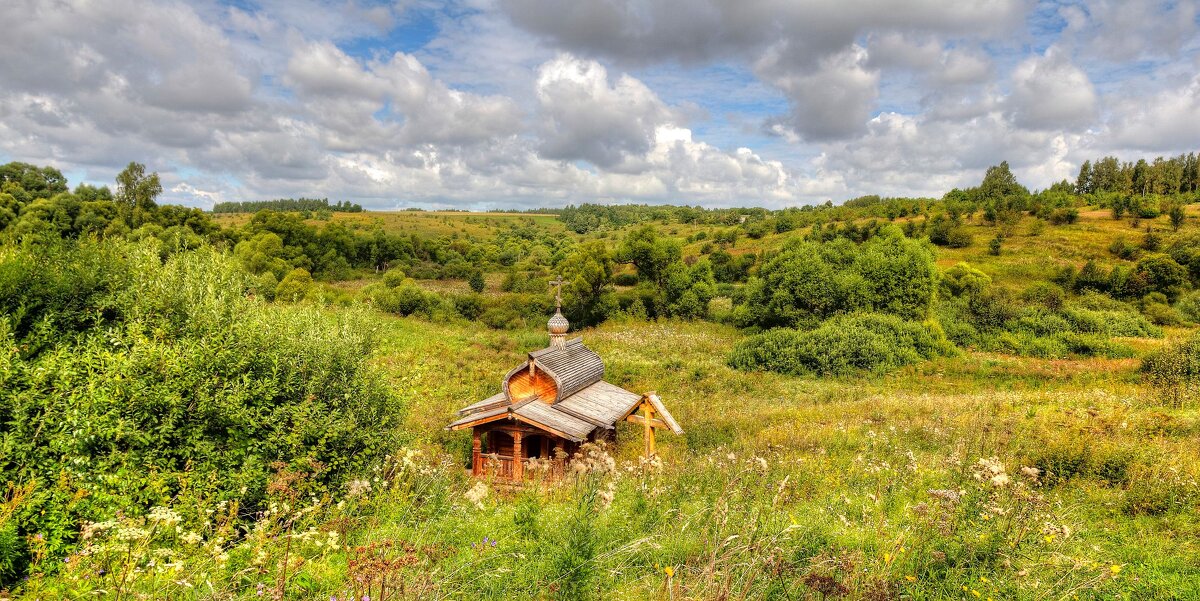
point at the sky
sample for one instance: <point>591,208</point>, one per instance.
<point>486,104</point>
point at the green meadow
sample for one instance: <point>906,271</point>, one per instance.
<point>887,399</point>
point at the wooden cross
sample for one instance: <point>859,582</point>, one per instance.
<point>557,283</point>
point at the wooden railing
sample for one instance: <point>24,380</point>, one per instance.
<point>498,466</point>
<point>502,467</point>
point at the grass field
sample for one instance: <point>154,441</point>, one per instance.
<point>972,476</point>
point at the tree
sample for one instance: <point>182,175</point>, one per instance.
<point>1160,273</point>
<point>809,282</point>
<point>475,281</point>
<point>650,253</point>
<point>1001,194</point>
<point>1177,216</point>
<point>295,285</point>
<point>1083,183</point>
<point>587,293</point>
<point>136,193</point>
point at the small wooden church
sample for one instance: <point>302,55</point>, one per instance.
<point>550,405</point>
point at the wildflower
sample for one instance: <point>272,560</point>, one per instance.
<point>1115,569</point>
<point>669,571</point>
<point>477,494</point>
<point>165,516</point>
<point>910,578</point>
<point>357,488</point>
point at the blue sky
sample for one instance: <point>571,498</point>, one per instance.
<point>523,103</point>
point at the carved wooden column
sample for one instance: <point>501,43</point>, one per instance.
<point>518,458</point>
<point>476,452</point>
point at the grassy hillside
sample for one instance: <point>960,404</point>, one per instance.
<point>254,405</point>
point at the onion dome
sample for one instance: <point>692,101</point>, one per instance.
<point>558,324</point>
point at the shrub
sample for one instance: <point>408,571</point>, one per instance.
<point>1123,249</point>
<point>995,244</point>
<point>1160,313</point>
<point>1161,273</point>
<point>625,279</point>
<point>954,317</point>
<point>1174,370</point>
<point>1045,294</point>
<point>858,342</point>
<point>1064,216</point>
<point>992,309</point>
<point>1122,321</point>
<point>1040,322</point>
<point>295,285</point>
<point>963,280</point>
<point>192,387</point>
<point>1188,306</point>
<point>810,281</point>
<point>476,281</point>
<point>393,277</point>
<point>469,306</point>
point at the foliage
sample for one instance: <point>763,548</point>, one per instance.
<point>808,281</point>
<point>1174,371</point>
<point>842,345</point>
<point>287,204</point>
<point>172,381</point>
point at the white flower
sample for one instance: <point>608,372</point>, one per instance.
<point>477,494</point>
<point>358,488</point>
<point>165,516</point>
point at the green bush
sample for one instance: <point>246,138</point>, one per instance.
<point>1188,306</point>
<point>1160,273</point>
<point>393,277</point>
<point>811,281</point>
<point>1045,294</point>
<point>963,280</point>
<point>182,384</point>
<point>1122,321</point>
<point>1064,216</point>
<point>1173,371</point>
<point>845,344</point>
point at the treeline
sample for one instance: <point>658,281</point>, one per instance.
<point>1175,175</point>
<point>36,206</point>
<point>287,204</point>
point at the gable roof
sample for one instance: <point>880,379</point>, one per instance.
<point>534,413</point>
<point>573,367</point>
<point>582,401</point>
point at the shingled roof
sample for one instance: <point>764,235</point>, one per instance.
<point>560,389</point>
<point>581,400</point>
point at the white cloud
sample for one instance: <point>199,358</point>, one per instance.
<point>1169,119</point>
<point>586,118</point>
<point>530,102</point>
<point>834,100</point>
<point>1050,92</point>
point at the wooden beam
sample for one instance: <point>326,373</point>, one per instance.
<point>648,421</point>
<point>654,423</point>
<point>518,457</point>
<point>476,452</point>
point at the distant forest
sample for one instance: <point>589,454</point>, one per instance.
<point>287,204</point>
